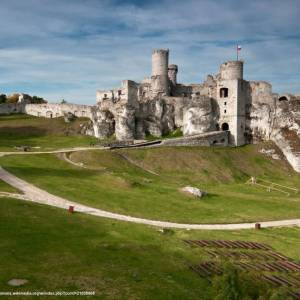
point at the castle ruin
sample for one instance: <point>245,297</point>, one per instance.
<point>159,105</point>
<point>225,109</point>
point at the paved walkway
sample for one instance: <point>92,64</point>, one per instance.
<point>34,194</point>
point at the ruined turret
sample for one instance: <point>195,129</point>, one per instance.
<point>232,70</point>
<point>159,78</point>
<point>172,74</point>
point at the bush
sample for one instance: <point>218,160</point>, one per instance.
<point>238,285</point>
<point>227,286</point>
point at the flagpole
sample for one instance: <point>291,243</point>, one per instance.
<point>237,52</point>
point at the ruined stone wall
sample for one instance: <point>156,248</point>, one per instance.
<point>130,91</point>
<point>216,138</point>
<point>181,90</point>
<point>11,108</point>
<point>55,110</point>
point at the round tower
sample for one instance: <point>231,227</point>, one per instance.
<point>159,78</point>
<point>172,74</point>
<point>160,61</point>
<point>232,70</point>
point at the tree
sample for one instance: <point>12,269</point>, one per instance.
<point>13,98</point>
<point>63,101</point>
<point>38,100</point>
<point>3,98</point>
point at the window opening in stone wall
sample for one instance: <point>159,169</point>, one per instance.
<point>223,92</point>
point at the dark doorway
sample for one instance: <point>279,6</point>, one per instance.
<point>283,98</point>
<point>225,126</point>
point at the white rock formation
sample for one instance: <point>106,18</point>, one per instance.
<point>198,117</point>
<point>193,191</point>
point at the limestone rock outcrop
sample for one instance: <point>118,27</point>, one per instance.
<point>198,116</point>
<point>103,123</point>
<point>286,130</point>
<point>125,123</point>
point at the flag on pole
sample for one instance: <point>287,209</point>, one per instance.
<point>238,48</point>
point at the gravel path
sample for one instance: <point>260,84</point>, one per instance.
<point>67,150</point>
<point>34,194</point>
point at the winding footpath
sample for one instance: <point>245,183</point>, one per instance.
<point>35,194</point>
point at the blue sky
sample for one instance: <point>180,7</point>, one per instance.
<point>70,48</point>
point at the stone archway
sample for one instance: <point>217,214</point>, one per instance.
<point>283,98</point>
<point>225,126</point>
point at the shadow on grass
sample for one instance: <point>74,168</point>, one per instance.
<point>22,132</point>
<point>50,172</point>
<point>19,136</point>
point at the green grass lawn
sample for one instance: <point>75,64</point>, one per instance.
<point>41,133</point>
<point>4,187</point>
<point>54,250</point>
<point>115,185</point>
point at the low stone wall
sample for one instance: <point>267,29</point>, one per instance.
<point>55,110</point>
<point>11,108</point>
<point>215,138</point>
<point>47,110</point>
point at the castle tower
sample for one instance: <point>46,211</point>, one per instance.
<point>232,100</point>
<point>159,78</point>
<point>172,74</point>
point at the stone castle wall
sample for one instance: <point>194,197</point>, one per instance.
<point>216,138</point>
<point>11,108</point>
<point>55,110</point>
<point>47,110</point>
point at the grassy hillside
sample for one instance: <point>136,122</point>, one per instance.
<point>117,260</point>
<point>43,133</point>
<point>110,182</point>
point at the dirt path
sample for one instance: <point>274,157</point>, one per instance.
<point>35,194</point>
<point>67,150</point>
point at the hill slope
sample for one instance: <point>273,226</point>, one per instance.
<point>20,130</point>
<point>109,181</point>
